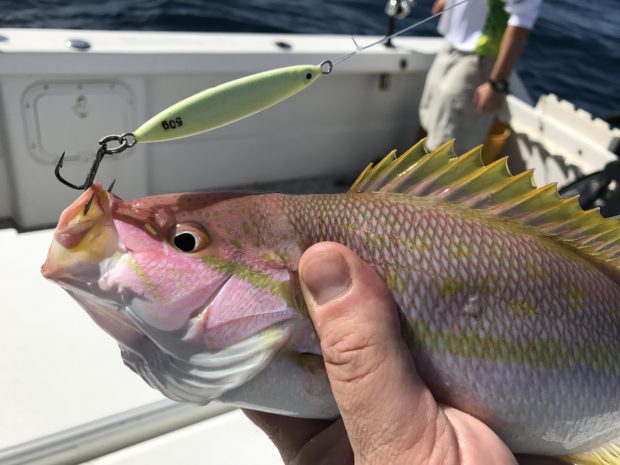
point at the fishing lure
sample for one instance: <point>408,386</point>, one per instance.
<point>210,109</point>
<point>223,104</point>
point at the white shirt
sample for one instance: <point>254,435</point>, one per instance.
<point>462,26</point>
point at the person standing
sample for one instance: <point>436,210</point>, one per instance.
<point>469,79</point>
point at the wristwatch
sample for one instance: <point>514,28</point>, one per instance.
<point>499,85</point>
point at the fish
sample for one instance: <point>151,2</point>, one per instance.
<point>507,292</point>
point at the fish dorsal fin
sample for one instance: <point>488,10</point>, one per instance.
<point>466,181</point>
<point>609,454</point>
<point>374,178</point>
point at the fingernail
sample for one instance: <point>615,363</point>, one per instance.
<point>326,277</point>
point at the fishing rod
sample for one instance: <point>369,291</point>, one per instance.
<point>225,104</point>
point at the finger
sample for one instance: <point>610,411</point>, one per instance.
<point>330,447</point>
<point>288,434</point>
<point>477,442</point>
<point>305,442</point>
<point>384,405</point>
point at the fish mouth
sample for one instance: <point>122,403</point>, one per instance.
<point>89,257</point>
<point>83,237</point>
<point>108,315</point>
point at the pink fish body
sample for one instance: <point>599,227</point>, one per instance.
<point>508,292</point>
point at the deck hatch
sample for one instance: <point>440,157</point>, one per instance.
<point>73,116</point>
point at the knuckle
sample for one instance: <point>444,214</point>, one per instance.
<point>350,356</point>
<point>340,349</point>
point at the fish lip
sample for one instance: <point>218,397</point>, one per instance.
<point>73,235</point>
<point>102,198</point>
<point>77,246</point>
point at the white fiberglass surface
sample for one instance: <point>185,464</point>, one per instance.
<point>59,369</point>
<point>229,439</point>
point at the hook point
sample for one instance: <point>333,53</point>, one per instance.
<point>60,162</point>
<point>89,203</point>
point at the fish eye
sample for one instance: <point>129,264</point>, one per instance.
<point>185,242</point>
<point>189,238</point>
<point>308,76</point>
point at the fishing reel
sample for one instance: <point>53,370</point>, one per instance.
<point>398,9</point>
<point>600,189</point>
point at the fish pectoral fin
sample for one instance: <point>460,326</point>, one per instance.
<point>609,454</point>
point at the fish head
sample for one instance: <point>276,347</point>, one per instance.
<point>195,312</point>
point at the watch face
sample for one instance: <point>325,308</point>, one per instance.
<point>499,85</point>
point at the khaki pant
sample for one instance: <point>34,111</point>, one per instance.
<point>446,109</point>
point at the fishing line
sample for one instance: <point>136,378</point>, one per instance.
<point>221,105</point>
<point>359,49</point>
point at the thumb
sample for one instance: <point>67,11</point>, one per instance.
<point>388,412</point>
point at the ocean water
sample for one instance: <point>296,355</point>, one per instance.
<point>573,51</point>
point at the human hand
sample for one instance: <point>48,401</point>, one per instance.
<point>388,414</point>
<point>486,100</point>
<point>438,6</point>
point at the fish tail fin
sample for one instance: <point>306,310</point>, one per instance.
<point>608,454</point>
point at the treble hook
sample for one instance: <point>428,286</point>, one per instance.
<point>90,178</point>
<point>125,141</point>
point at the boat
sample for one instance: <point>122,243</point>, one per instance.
<point>65,396</point>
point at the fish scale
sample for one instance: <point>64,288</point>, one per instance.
<point>526,311</point>
<point>507,294</point>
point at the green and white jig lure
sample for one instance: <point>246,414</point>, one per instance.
<point>228,102</point>
<point>222,105</point>
<point>210,109</point>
